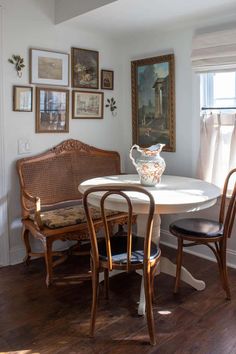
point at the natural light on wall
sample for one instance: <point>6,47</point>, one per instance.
<point>214,58</point>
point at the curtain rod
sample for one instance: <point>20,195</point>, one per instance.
<point>205,108</point>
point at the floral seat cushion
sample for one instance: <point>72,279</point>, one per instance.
<point>68,216</point>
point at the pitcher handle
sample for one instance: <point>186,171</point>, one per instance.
<point>135,146</point>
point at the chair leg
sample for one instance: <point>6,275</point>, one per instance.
<point>25,236</point>
<point>48,260</point>
<point>153,273</point>
<point>225,273</point>
<point>178,264</point>
<point>219,262</point>
<point>106,283</point>
<point>148,298</point>
<point>95,284</point>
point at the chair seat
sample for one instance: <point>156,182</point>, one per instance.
<point>196,227</point>
<point>69,216</point>
<point>119,250</point>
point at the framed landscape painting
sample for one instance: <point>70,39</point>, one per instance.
<point>52,110</point>
<point>84,68</point>
<point>87,104</point>
<point>153,101</point>
<point>49,68</point>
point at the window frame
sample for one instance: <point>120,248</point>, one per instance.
<point>207,99</point>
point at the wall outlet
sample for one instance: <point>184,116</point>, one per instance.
<point>23,146</point>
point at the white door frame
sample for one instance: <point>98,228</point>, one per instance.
<point>4,239</point>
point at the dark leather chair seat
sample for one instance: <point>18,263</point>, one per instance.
<point>119,250</point>
<point>197,228</point>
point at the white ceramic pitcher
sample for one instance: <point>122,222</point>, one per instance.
<point>149,164</point>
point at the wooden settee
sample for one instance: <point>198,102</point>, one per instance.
<point>50,200</point>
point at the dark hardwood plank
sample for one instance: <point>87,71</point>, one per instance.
<point>35,319</point>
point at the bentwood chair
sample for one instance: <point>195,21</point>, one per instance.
<point>127,252</point>
<point>213,234</point>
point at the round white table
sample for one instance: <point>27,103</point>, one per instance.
<point>172,195</point>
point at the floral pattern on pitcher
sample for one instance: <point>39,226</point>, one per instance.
<point>149,164</point>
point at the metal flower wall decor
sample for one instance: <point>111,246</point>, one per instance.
<point>18,62</point>
<point>111,103</point>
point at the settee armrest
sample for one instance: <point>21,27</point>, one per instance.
<point>36,208</point>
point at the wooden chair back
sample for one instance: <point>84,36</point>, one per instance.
<point>227,215</point>
<point>121,191</point>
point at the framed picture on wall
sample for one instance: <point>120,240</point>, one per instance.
<point>52,110</point>
<point>84,68</point>
<point>49,68</point>
<point>153,101</point>
<point>87,104</point>
<point>107,79</point>
<point>22,98</point>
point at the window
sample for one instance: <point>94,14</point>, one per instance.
<point>218,126</point>
<point>218,91</point>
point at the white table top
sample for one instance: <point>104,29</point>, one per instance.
<point>173,195</point>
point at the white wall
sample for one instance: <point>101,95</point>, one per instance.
<point>183,162</point>
<point>4,244</point>
<point>30,25</point>
<point>154,45</point>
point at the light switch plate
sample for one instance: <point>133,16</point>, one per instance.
<point>23,146</point>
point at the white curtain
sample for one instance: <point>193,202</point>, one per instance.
<point>217,147</point>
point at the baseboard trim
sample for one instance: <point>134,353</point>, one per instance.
<point>17,254</point>
<point>168,240</point>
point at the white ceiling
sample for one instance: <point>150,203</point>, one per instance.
<point>67,9</point>
<point>128,16</point>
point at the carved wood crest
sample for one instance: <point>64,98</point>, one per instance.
<point>70,145</point>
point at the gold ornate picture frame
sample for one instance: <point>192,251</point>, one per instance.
<point>153,101</point>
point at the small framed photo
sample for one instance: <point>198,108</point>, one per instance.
<point>49,68</point>
<point>52,110</point>
<point>87,104</point>
<point>107,79</point>
<point>84,68</point>
<point>22,98</point>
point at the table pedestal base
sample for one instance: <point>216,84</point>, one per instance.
<point>165,266</point>
<point>168,267</point>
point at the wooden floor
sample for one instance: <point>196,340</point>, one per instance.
<point>35,319</point>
